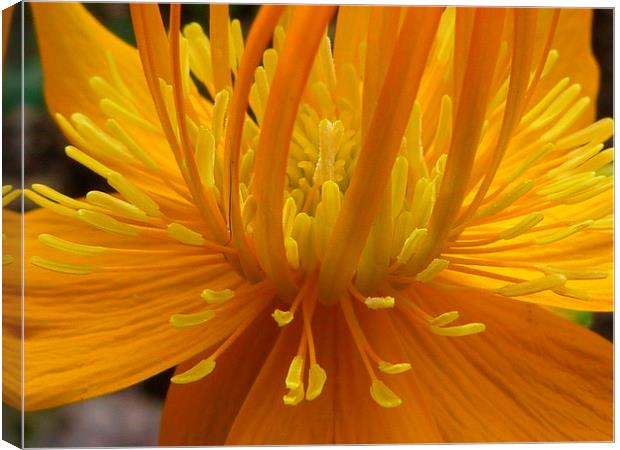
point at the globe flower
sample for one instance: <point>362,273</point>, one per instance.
<point>354,239</point>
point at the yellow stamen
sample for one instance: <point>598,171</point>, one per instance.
<point>526,224</point>
<point>191,320</point>
<point>436,266</point>
<point>294,396</point>
<point>562,234</point>
<point>444,319</point>
<point>198,372</point>
<point>460,330</point>
<point>381,394</point>
<point>316,380</point>
<point>217,297</point>
<point>183,234</point>
<point>70,247</point>
<point>379,302</point>
<point>533,286</point>
<point>282,317</point>
<point>116,205</point>
<point>293,377</point>
<point>390,368</point>
<point>56,266</point>
<point>106,223</point>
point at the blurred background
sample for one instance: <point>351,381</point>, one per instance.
<point>131,417</point>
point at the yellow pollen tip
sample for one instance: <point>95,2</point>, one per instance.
<point>294,396</point>
<point>199,371</point>
<point>444,319</point>
<point>216,297</point>
<point>392,369</point>
<point>185,235</point>
<point>6,189</point>
<point>460,330</point>
<point>56,266</point>
<point>384,397</point>
<point>70,247</point>
<point>293,377</point>
<point>436,266</point>
<point>106,223</point>
<point>379,302</point>
<point>282,317</point>
<point>191,320</point>
<point>316,380</point>
<point>533,286</point>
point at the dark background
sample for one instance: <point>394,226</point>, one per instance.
<point>131,417</point>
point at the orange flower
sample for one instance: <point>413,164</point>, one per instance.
<point>302,225</point>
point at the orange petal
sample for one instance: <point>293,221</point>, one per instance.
<point>531,376</point>
<point>201,413</point>
<point>359,420</point>
<point>264,419</point>
<point>73,47</point>
<point>92,334</point>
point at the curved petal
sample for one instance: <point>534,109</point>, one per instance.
<point>73,47</point>
<point>264,419</point>
<point>86,335</point>
<point>201,413</point>
<point>531,376</point>
<point>359,420</point>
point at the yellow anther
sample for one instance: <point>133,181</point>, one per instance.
<point>270,60</point>
<point>7,199</point>
<point>7,259</point>
<point>392,369</point>
<point>526,224</point>
<point>565,183</point>
<point>412,244</point>
<point>136,150</point>
<point>106,223</point>
<point>379,302</point>
<point>292,252</point>
<point>562,102</point>
<point>45,203</point>
<point>545,102</point>
<point>303,233</point>
<point>576,188</point>
<point>533,286</point>
<point>199,53</point>
<point>436,266</point>
<point>424,200</point>
<point>282,317</point>
<point>289,211</point>
<point>115,205</point>
<point>400,173</point>
<point>599,160</point>
<point>444,319</point>
<point>572,293</point>
<point>220,107</point>
<point>87,161</point>
<point>597,132</point>
<point>293,377</point>
<point>133,194</point>
<point>60,198</point>
<point>575,274</point>
<point>330,195</point>
<point>414,142</point>
<point>198,372</point>
<point>6,189</point>
<point>191,320</point>
<point>70,247</point>
<point>507,199</point>
<point>316,380</point>
<point>459,330</point>
<point>96,137</point>
<point>205,156</point>
<point>217,297</point>
<point>381,394</point>
<point>562,234</point>
<point>552,58</point>
<point>122,114</point>
<point>183,234</point>
<point>56,266</point>
<point>566,120</point>
<point>294,396</point>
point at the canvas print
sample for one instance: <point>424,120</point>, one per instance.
<point>306,224</point>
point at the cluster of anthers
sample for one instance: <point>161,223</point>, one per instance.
<point>282,235</point>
